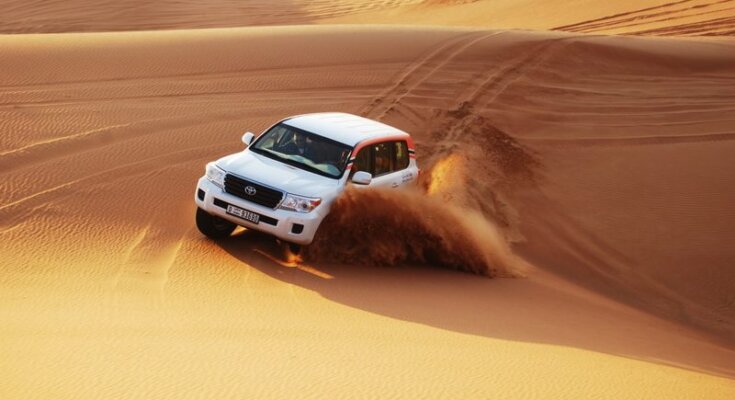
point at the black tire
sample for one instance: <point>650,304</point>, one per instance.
<point>213,226</point>
<point>295,248</point>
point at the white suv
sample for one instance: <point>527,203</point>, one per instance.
<point>285,181</point>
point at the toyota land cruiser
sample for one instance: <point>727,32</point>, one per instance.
<point>285,180</point>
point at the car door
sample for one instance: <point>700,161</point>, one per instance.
<point>406,173</point>
<point>388,162</point>
<point>384,166</point>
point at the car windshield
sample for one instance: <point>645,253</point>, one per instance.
<point>303,150</point>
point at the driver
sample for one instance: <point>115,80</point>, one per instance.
<point>299,145</point>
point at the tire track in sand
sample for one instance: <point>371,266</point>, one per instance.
<point>463,133</point>
<point>145,270</point>
<point>664,13</point>
<point>484,90</point>
<point>419,71</point>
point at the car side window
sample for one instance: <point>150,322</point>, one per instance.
<point>401,151</point>
<point>363,160</point>
<point>383,158</point>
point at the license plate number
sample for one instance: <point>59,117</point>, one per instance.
<point>244,214</point>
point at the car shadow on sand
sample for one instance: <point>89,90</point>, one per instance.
<point>537,309</point>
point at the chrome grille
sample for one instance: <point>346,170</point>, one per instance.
<point>253,192</point>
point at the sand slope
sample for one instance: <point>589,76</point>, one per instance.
<point>604,160</point>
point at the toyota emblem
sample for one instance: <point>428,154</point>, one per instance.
<point>250,191</point>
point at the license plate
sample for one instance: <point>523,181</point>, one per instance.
<point>244,214</point>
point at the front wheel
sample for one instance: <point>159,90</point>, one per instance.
<point>294,248</point>
<point>213,226</point>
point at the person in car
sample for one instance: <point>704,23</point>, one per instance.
<point>298,146</point>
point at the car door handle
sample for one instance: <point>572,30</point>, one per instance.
<point>395,184</point>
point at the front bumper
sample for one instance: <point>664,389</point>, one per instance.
<point>282,224</point>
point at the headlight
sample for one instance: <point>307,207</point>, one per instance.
<point>216,175</point>
<point>299,203</point>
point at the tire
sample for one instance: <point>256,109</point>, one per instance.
<point>213,226</point>
<point>295,248</point>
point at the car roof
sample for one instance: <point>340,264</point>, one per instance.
<point>342,127</point>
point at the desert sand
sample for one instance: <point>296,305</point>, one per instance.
<point>640,17</point>
<point>596,169</point>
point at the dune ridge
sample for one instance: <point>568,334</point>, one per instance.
<point>649,17</point>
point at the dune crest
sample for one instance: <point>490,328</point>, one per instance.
<point>642,17</point>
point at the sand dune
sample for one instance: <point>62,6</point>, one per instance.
<point>590,175</point>
<point>603,161</point>
<point>648,17</point>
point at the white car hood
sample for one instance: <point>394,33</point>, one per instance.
<point>278,175</point>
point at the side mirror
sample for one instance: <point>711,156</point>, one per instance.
<point>247,138</point>
<point>362,178</point>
